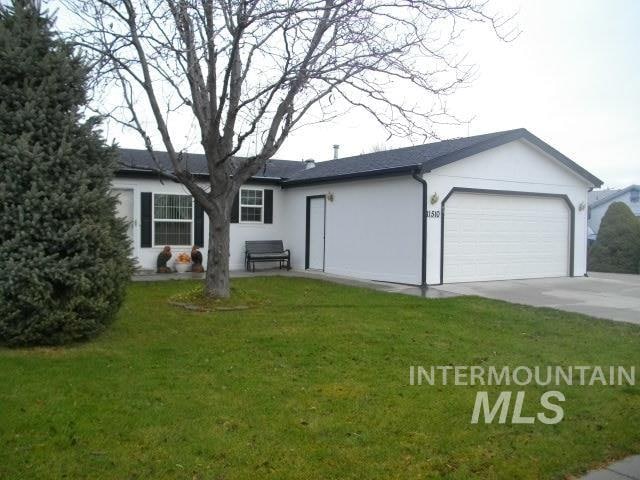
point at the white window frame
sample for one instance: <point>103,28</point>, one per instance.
<point>154,220</point>
<point>240,205</point>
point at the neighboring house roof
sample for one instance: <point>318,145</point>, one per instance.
<point>422,157</point>
<point>595,195</point>
<point>139,161</point>
<point>615,194</point>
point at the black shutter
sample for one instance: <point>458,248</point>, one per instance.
<point>145,219</point>
<point>198,225</point>
<point>268,205</point>
<point>235,208</point>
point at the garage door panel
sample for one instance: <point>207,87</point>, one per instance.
<point>496,237</point>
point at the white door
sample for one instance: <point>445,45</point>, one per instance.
<point>125,208</point>
<point>500,237</point>
<point>316,233</point>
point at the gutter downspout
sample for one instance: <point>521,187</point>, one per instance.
<point>417,175</point>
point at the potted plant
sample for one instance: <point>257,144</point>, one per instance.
<point>183,260</point>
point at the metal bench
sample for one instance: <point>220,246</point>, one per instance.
<point>266,251</point>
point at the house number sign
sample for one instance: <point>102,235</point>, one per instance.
<point>433,213</point>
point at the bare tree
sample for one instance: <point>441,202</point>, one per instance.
<point>247,70</point>
<point>375,148</point>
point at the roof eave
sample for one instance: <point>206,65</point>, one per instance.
<point>145,173</point>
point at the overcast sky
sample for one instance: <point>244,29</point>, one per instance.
<point>572,78</point>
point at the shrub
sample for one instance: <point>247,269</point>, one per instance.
<point>617,247</point>
<point>63,254</point>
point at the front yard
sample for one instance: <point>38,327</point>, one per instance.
<point>311,383</point>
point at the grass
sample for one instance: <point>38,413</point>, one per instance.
<point>312,383</point>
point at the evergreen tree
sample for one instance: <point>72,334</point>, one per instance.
<point>63,254</point>
<point>617,247</point>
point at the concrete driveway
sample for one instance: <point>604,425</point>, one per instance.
<point>605,295</point>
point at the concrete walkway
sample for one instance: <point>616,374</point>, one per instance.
<point>379,286</point>
<point>626,469</point>
<point>605,295</point>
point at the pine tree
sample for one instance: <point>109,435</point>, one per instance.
<point>63,254</point>
<point>617,248</point>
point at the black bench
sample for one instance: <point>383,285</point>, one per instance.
<point>266,251</point>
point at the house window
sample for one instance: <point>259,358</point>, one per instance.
<point>251,205</point>
<point>172,219</point>
<point>635,196</point>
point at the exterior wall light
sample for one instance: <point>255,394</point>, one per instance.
<point>582,206</point>
<point>434,198</point>
<point>330,196</point>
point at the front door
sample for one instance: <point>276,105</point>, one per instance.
<point>125,209</point>
<point>315,232</point>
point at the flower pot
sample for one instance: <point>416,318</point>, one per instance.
<point>181,267</point>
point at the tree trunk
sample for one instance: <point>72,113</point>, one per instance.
<point>217,276</point>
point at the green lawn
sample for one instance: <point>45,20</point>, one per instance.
<point>312,383</point>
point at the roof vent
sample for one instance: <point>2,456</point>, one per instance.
<point>309,163</point>
<point>336,150</point>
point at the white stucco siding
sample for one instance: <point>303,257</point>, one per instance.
<point>515,166</point>
<point>373,228</point>
<point>240,232</point>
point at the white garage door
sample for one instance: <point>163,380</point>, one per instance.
<point>500,237</point>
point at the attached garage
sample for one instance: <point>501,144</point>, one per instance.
<point>502,206</point>
<point>491,235</point>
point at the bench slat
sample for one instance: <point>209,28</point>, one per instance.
<point>264,246</point>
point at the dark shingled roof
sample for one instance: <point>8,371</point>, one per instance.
<point>426,158</point>
<point>136,161</point>
<point>401,160</point>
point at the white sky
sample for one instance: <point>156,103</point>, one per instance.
<point>572,78</point>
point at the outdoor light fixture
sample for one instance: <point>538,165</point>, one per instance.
<point>330,196</point>
<point>434,198</point>
<point>582,206</point>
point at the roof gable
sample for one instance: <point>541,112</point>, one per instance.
<point>518,161</point>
